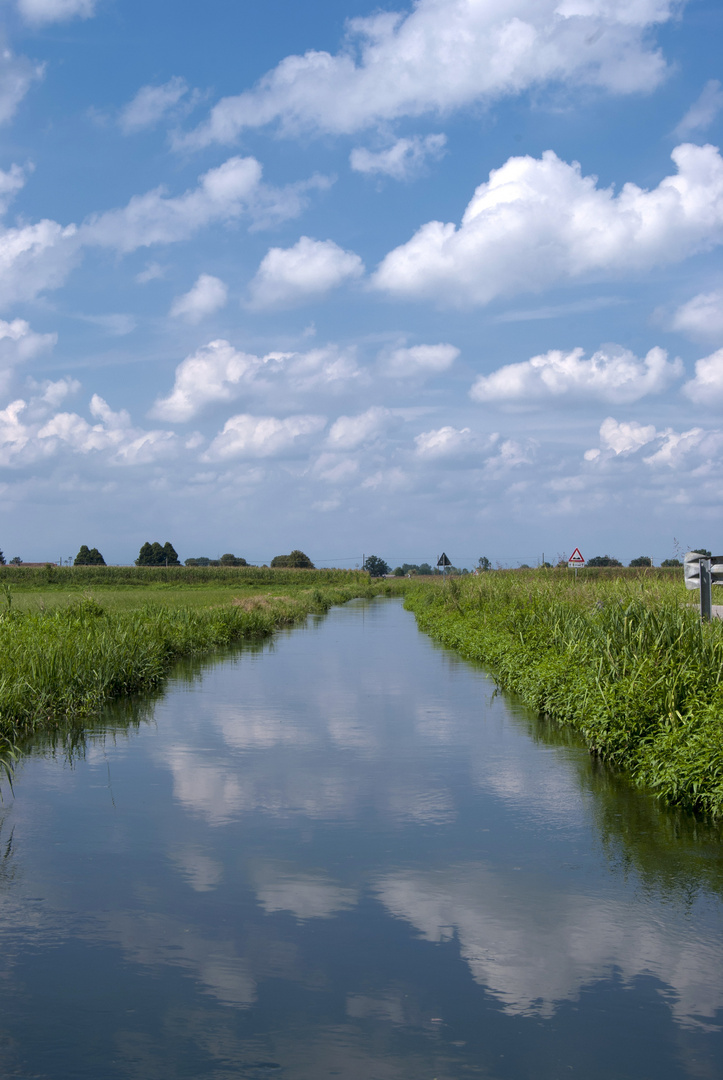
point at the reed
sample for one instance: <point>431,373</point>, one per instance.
<point>624,660</point>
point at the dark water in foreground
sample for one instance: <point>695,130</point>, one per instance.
<point>342,855</point>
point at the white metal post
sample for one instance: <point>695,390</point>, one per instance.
<point>706,597</point>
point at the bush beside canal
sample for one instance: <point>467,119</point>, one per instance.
<point>626,662</point>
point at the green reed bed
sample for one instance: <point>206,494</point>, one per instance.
<point>66,662</point>
<point>625,660</point>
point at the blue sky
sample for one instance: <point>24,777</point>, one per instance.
<point>361,278</point>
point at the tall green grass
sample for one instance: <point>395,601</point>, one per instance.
<point>624,660</point>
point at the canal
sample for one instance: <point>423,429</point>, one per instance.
<point>342,854</point>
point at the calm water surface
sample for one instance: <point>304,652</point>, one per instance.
<point>342,854</point>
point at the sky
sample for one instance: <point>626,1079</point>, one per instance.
<point>361,278</point>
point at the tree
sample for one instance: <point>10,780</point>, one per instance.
<point>296,560</point>
<point>483,563</point>
<point>170,554</point>
<point>398,572</point>
<point>425,569</point>
<point>232,560</point>
<point>375,566</point>
<point>642,560</point>
<point>155,555</point>
<point>603,560</point>
<point>2,559</point>
<point>671,562</point>
<point>202,560</point>
<point>16,561</point>
<point>702,551</point>
<point>88,557</point>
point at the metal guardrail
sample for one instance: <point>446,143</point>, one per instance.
<point>702,572</point>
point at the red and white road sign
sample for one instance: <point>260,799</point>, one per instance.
<point>576,558</point>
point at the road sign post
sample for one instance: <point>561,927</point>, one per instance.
<point>444,562</point>
<point>575,561</point>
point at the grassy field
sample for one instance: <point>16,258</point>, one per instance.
<point>623,658</point>
<point>70,641</point>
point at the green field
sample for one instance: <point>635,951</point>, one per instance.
<point>622,657</point>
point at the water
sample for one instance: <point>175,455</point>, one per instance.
<point>342,854</point>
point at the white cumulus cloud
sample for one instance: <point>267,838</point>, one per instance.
<point>210,374</point>
<point>418,360</point>
<point>622,437</point>
<point>18,342</point>
<point>538,222</point>
<point>27,434</point>
<point>219,372</point>
<point>349,432</point>
<point>444,442</point>
<point>707,386</point>
<point>11,182</point>
<point>261,436</point>
<point>445,55</point>
<point>613,374</point>
<point>702,112</point>
<point>17,74</point>
<point>47,11</point>
<point>309,269</point>
<point>113,432</point>
<point>222,194</point>
<point>402,161</point>
<point>34,258</point>
<point>151,104</point>
<point>696,450</point>
<point>207,295</point>
<point>701,317</point>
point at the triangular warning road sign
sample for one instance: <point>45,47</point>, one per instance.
<point>576,558</point>
<point>443,560</point>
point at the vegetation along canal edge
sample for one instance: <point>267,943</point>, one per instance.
<point>621,658</point>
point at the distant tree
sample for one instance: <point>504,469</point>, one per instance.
<point>603,560</point>
<point>425,569</point>
<point>398,572</point>
<point>296,560</point>
<point>375,566</point>
<point>2,559</point>
<point>483,563</point>
<point>16,561</point>
<point>409,568</point>
<point>546,566</point>
<point>671,562</point>
<point>525,566</point>
<point>202,560</point>
<point>642,560</point>
<point>703,551</point>
<point>170,554</point>
<point>232,560</point>
<point>155,555</point>
<point>88,557</point>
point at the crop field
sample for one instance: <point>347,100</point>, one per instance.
<point>623,658</point>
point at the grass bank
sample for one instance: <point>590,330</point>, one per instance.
<point>65,661</point>
<point>624,660</point>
